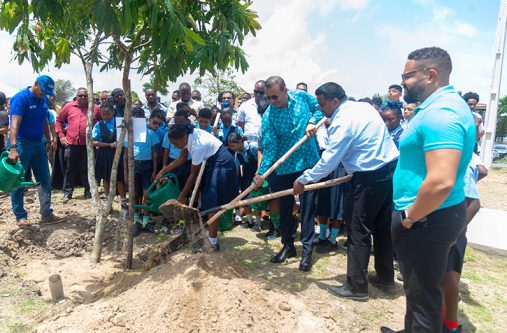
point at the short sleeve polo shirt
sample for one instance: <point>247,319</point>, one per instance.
<point>442,121</point>
<point>34,112</point>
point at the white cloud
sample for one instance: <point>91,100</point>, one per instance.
<point>471,56</point>
<point>285,45</point>
<point>464,29</point>
<point>440,14</point>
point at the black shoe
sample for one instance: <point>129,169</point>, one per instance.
<point>66,198</point>
<point>387,287</point>
<point>288,251</point>
<point>136,229</point>
<point>273,234</point>
<point>257,228</point>
<point>87,195</point>
<point>215,247</point>
<point>317,241</point>
<point>306,263</point>
<point>327,247</point>
<point>248,225</point>
<point>345,292</point>
<point>384,329</point>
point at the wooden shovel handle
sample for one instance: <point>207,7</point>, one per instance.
<point>266,197</point>
<point>201,170</point>
<point>266,174</point>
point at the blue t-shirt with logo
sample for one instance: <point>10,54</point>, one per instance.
<point>34,112</point>
<point>442,121</point>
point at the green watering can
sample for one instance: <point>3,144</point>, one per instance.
<point>11,174</point>
<point>157,196</point>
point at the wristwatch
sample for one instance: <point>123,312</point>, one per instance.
<point>406,220</point>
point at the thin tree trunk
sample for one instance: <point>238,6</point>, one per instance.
<point>130,159</point>
<point>100,217</point>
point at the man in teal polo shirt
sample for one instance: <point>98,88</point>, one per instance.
<point>429,198</point>
<point>29,123</point>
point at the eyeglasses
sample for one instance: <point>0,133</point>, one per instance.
<point>406,76</point>
<point>274,97</point>
<point>82,95</point>
<point>259,92</point>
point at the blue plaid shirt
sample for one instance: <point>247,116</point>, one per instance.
<point>283,128</point>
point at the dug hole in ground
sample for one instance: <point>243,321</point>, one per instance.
<point>234,290</point>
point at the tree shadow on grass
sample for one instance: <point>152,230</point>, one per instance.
<point>466,297</point>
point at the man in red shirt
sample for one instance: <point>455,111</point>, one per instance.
<point>71,129</point>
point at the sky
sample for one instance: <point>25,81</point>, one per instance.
<point>360,44</point>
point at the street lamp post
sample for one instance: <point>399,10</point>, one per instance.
<point>496,77</point>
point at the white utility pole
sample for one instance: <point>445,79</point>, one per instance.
<point>494,92</point>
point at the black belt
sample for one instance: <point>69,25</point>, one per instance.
<point>389,167</point>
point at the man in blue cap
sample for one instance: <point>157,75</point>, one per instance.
<point>29,123</point>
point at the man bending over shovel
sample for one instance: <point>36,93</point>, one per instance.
<point>359,140</point>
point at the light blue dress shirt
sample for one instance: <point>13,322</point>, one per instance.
<point>442,121</point>
<point>283,128</point>
<point>358,138</point>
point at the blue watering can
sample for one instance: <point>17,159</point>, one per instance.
<point>12,174</point>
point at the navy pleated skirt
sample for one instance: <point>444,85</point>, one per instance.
<point>331,200</point>
<point>220,180</point>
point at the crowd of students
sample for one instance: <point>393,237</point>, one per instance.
<point>360,138</point>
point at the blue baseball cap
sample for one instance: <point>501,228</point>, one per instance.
<point>47,84</point>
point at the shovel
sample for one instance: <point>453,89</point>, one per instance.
<point>282,159</point>
<point>177,205</point>
<point>175,210</point>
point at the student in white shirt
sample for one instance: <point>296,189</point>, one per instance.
<point>219,183</point>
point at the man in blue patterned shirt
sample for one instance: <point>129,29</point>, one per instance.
<point>291,115</point>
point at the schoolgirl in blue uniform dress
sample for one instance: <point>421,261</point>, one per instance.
<point>219,183</point>
<point>145,166</point>
<point>157,125</point>
<point>246,157</point>
<point>104,140</point>
<point>171,153</point>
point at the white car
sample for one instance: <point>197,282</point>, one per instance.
<point>500,149</point>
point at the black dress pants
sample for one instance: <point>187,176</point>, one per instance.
<point>422,251</point>
<point>308,208</point>
<point>76,168</point>
<point>368,210</point>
